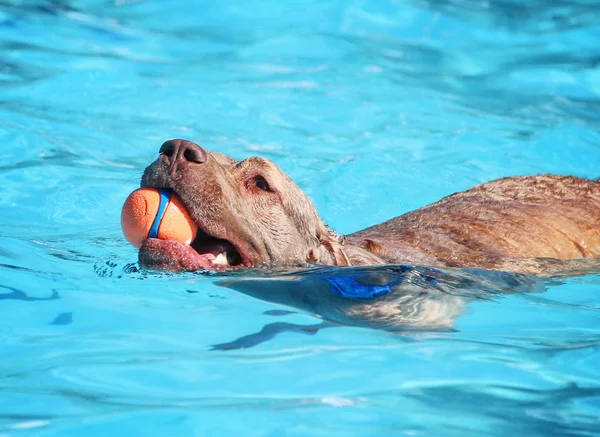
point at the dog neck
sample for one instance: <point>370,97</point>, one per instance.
<point>337,251</point>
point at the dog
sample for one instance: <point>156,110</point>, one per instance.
<point>415,271</point>
<point>250,214</point>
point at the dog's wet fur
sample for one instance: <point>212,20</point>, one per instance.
<point>251,214</point>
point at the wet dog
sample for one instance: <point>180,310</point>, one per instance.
<point>250,214</point>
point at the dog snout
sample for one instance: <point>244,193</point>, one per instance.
<point>180,152</point>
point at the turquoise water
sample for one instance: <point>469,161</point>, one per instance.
<point>374,108</point>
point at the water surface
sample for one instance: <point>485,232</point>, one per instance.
<point>374,108</point>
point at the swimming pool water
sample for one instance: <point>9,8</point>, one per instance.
<point>374,108</point>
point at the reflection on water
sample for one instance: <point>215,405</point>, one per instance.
<point>406,297</point>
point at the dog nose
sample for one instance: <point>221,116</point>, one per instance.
<point>183,151</point>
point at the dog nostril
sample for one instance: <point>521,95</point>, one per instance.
<point>190,155</point>
<point>167,149</point>
<point>183,151</point>
<point>194,153</point>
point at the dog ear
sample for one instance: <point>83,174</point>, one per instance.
<point>335,250</point>
<point>335,246</point>
<point>329,250</point>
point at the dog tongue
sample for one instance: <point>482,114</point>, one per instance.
<point>174,256</point>
<point>214,249</point>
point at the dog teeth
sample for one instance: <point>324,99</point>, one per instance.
<point>221,259</point>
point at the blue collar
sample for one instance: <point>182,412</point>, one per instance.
<point>348,286</point>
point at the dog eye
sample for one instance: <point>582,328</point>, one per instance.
<point>261,183</point>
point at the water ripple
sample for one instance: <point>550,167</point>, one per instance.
<point>375,108</point>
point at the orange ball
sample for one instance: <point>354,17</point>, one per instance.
<point>139,215</point>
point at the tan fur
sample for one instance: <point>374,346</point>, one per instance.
<point>373,247</point>
<point>520,218</point>
<point>514,224</point>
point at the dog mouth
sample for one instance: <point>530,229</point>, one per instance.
<point>204,253</point>
<point>218,251</point>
